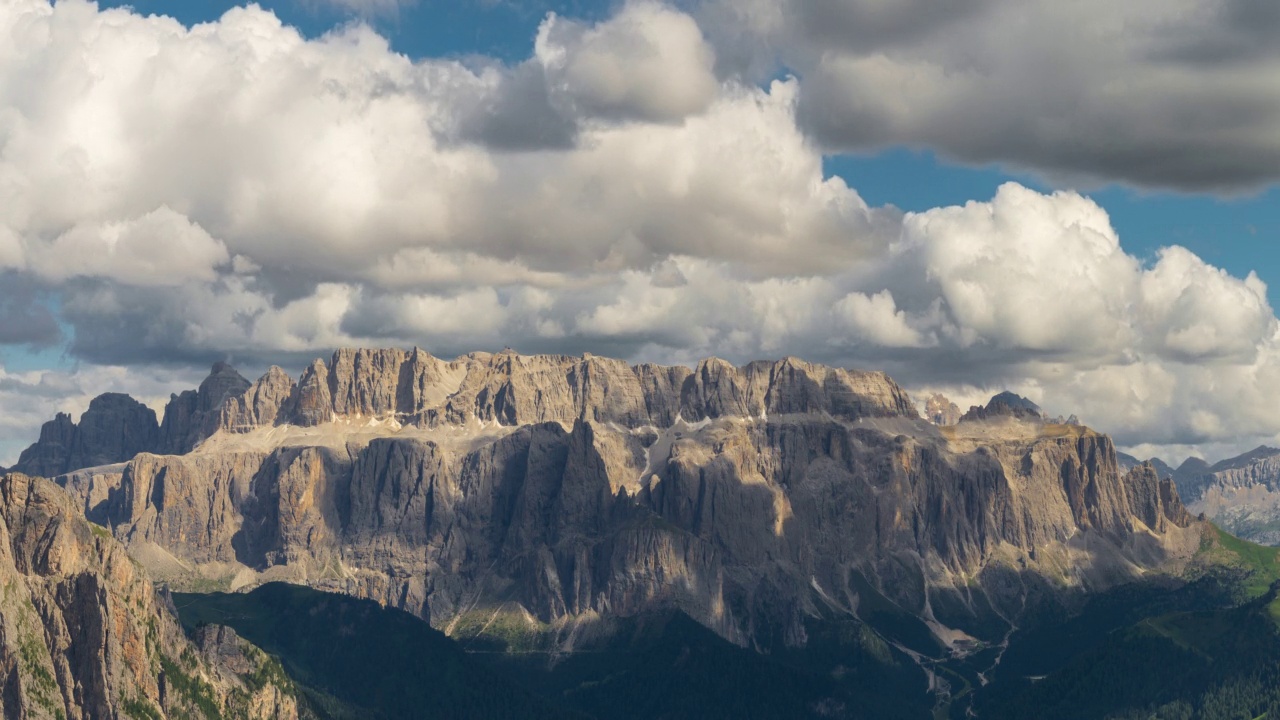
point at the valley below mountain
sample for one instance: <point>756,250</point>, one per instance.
<point>589,532</point>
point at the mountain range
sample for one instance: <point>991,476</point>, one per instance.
<point>537,509</point>
<point>1241,494</point>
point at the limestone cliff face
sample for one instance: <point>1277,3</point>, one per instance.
<point>185,504</point>
<point>1242,494</point>
<point>114,428</point>
<point>561,489</point>
<point>505,388</point>
<point>82,632</point>
<point>194,415</point>
<point>1155,499</point>
<point>260,405</point>
<point>418,389</point>
<point>825,484</point>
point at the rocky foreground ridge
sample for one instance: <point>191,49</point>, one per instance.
<point>547,493</point>
<point>84,634</point>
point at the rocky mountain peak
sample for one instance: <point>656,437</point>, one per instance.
<point>194,415</point>
<point>939,410</point>
<point>1005,404</point>
<point>1240,494</point>
<point>259,405</point>
<point>1157,501</point>
<point>223,381</point>
<point>114,428</point>
<point>1262,452</point>
<point>1193,465</point>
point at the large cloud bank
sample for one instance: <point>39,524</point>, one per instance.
<point>176,195</point>
<point>1160,93</point>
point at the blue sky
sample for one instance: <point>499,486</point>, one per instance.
<point>1238,233</point>
<point>432,28</point>
<point>650,182</point>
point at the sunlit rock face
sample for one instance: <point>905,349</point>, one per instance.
<point>1241,494</point>
<point>561,489</point>
<point>196,414</point>
<point>83,632</point>
<point>939,410</point>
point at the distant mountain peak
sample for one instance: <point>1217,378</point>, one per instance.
<point>939,410</point>
<point>1005,404</point>
<point>1193,464</point>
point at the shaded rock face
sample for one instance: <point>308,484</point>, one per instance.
<point>1007,404</point>
<point>222,647</point>
<point>194,415</point>
<point>260,405</point>
<point>566,488</point>
<point>83,635</point>
<point>749,525</point>
<point>114,428</point>
<point>1156,499</point>
<point>51,454</point>
<point>1192,477</point>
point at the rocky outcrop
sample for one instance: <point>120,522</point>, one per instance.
<point>194,415</point>
<point>51,454</point>
<point>114,428</point>
<point>261,405</point>
<point>508,389</point>
<point>1163,470</point>
<point>939,410</point>
<point>1155,499</point>
<point>1006,404</point>
<point>311,402</point>
<point>559,489</point>
<point>1241,494</point>
<point>777,491</point>
<point>84,635</point>
<point>416,388</point>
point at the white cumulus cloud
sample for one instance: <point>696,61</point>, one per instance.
<point>178,195</point>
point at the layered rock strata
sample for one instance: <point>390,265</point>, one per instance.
<point>194,415</point>
<point>83,633</point>
<point>1242,494</point>
<point>114,428</point>
<point>561,489</point>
